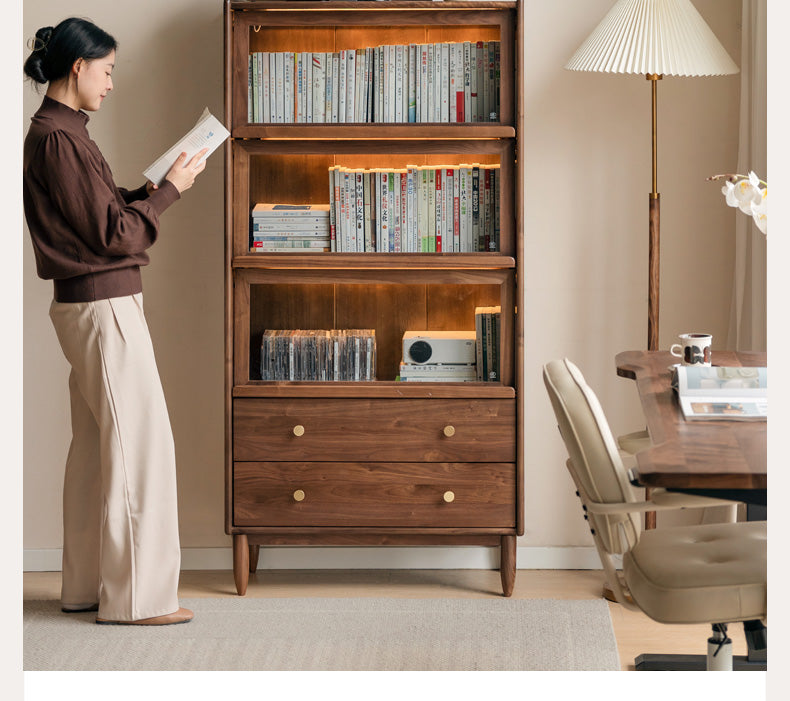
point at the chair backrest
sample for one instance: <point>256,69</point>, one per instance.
<point>594,458</point>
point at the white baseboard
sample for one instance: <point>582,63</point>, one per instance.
<point>373,558</point>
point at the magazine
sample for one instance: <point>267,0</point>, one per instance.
<point>724,393</point>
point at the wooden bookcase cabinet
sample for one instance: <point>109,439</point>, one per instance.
<point>383,462</point>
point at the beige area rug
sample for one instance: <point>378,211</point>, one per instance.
<point>333,634</point>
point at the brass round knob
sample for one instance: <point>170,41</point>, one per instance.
<point>448,496</point>
<point>299,495</point>
<point>298,430</point>
<point>449,431</point>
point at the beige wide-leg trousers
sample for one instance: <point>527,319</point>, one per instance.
<point>120,521</point>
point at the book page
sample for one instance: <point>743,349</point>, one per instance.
<point>725,393</point>
<point>208,132</point>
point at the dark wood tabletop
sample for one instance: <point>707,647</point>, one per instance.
<point>694,454</point>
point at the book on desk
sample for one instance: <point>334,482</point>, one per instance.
<point>722,393</point>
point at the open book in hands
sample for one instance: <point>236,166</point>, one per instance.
<point>724,393</point>
<point>207,133</point>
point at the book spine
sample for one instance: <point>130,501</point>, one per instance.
<point>307,62</point>
<point>445,83</point>
<point>343,63</point>
<point>396,206</point>
<point>457,210</point>
<point>359,87</point>
<point>423,97</point>
<point>360,212</point>
<point>492,96</point>
<point>267,111</point>
<point>431,228</point>
<point>335,87</point>
<point>367,216</point>
<point>476,208</point>
<point>332,210</point>
<point>496,172</point>
<point>280,83</point>
<point>288,80</point>
<point>422,209</point>
<point>385,212</point>
<point>351,68</point>
<point>487,210</point>
<point>391,211</point>
<point>272,87</point>
<point>411,209</point>
<point>250,98</point>
<point>467,72</point>
<point>479,344</point>
<point>300,118</point>
<point>347,211</point>
<point>257,89</point>
<point>453,70</point>
<point>497,78</point>
<point>329,73</point>
<point>481,64</point>
<point>319,87</point>
<point>412,111</point>
<point>399,83</point>
<point>439,221</point>
<point>374,207</point>
<point>404,207</point>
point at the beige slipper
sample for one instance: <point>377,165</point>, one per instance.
<point>181,616</point>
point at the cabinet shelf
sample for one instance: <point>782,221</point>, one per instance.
<point>379,389</point>
<point>382,462</point>
<point>416,132</point>
<point>374,261</point>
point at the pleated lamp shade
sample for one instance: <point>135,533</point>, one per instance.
<point>663,37</point>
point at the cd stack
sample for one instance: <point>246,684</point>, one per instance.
<point>290,227</point>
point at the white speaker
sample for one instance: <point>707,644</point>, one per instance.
<point>439,347</point>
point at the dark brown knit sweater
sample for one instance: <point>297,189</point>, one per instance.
<point>89,235</point>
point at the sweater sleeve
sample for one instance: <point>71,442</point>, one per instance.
<point>90,204</point>
<point>130,196</point>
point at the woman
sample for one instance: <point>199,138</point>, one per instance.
<point>121,552</point>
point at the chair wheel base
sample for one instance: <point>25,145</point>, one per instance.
<point>653,662</point>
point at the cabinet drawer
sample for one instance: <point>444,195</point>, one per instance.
<point>374,494</point>
<point>398,430</point>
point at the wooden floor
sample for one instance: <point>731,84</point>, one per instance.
<point>635,632</point>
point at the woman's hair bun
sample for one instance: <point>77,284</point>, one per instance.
<point>38,45</point>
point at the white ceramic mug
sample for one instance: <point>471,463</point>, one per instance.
<point>693,349</point>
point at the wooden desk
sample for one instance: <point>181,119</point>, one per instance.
<point>693,454</point>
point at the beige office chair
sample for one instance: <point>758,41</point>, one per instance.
<point>691,574</point>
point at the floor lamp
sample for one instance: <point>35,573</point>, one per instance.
<point>653,38</point>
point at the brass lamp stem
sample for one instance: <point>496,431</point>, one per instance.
<point>653,257</point>
<point>654,229</point>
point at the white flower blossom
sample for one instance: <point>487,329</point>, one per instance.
<point>745,193</point>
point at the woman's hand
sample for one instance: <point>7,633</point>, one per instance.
<point>182,174</point>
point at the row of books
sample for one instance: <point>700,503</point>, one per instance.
<point>455,82</point>
<point>487,343</point>
<point>284,227</point>
<point>318,355</point>
<point>417,209</point>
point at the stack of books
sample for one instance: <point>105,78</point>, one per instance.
<point>290,227</point>
<point>318,355</point>
<point>487,343</point>
<point>417,209</point>
<point>456,82</point>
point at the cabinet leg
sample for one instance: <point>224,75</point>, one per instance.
<point>254,551</point>
<point>507,563</point>
<point>241,563</point>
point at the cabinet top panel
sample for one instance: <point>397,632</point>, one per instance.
<point>296,5</point>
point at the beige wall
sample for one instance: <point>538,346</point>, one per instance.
<point>587,141</point>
